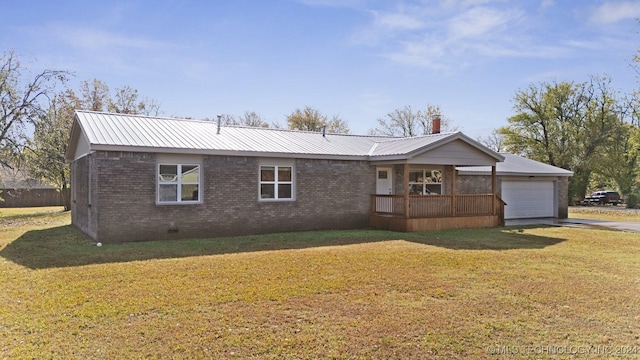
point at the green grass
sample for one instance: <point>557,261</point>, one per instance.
<point>334,294</point>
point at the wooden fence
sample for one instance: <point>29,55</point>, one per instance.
<point>13,198</point>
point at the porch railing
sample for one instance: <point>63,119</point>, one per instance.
<point>427,206</point>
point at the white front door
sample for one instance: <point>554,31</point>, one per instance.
<point>384,184</point>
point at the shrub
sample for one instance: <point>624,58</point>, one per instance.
<point>633,200</point>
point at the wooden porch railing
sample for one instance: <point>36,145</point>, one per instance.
<point>429,206</point>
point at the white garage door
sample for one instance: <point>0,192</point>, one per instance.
<point>528,199</point>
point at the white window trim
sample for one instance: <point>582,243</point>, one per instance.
<point>424,183</point>
<point>179,184</point>
<point>276,182</point>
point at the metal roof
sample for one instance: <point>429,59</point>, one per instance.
<point>123,132</point>
<point>515,165</point>
<point>419,144</point>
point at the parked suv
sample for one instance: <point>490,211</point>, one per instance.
<point>603,197</point>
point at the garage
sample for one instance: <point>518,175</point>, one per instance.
<point>530,189</point>
<point>528,199</point>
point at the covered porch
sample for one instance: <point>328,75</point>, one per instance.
<point>419,192</point>
<point>436,212</point>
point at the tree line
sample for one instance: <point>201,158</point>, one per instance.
<point>589,128</point>
<point>37,112</point>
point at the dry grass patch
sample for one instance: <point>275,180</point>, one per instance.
<point>343,295</point>
<point>605,213</point>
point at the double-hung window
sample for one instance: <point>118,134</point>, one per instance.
<point>178,183</point>
<point>276,182</point>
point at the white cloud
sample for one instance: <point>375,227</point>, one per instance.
<point>612,12</point>
<point>398,21</point>
<point>545,4</point>
<point>450,35</point>
<point>446,39</point>
<point>333,3</point>
<point>95,39</point>
<point>479,21</point>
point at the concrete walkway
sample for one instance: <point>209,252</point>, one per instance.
<point>583,223</point>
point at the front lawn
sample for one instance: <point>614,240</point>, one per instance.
<point>527,292</point>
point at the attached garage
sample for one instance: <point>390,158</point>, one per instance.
<point>529,188</point>
<point>528,199</point>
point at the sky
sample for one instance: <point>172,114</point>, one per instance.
<point>355,59</point>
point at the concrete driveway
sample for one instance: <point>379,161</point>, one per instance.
<point>583,223</point>
<point>614,225</point>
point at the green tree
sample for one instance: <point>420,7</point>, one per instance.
<point>45,153</point>
<point>408,122</point>
<point>311,119</point>
<point>620,158</point>
<point>564,124</point>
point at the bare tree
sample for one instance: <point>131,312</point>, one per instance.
<point>149,107</point>
<point>251,118</point>
<point>45,153</point>
<point>22,103</point>
<point>494,141</point>
<point>406,121</point>
<point>125,101</point>
<point>95,95</point>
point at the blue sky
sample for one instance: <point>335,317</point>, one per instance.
<point>357,59</point>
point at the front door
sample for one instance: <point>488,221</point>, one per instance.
<point>383,182</point>
<point>384,186</point>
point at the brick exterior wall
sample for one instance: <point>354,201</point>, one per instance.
<point>563,197</point>
<point>83,213</point>
<point>329,195</point>
<point>476,184</point>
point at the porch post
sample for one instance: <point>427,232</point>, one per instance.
<point>453,191</point>
<point>405,180</point>
<point>494,188</point>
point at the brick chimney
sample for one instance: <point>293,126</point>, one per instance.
<point>435,124</point>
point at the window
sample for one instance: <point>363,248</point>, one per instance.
<point>276,182</point>
<point>425,182</point>
<point>178,183</point>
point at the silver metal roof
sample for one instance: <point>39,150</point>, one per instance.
<point>515,165</point>
<point>122,132</point>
